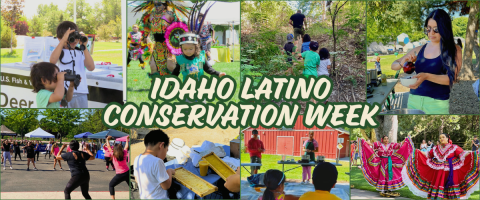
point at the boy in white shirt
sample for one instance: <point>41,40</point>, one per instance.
<point>69,57</point>
<point>150,173</point>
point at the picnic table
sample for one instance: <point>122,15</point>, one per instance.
<point>381,93</point>
<point>311,163</point>
<point>244,165</point>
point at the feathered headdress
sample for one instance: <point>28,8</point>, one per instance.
<point>180,9</point>
<point>194,23</point>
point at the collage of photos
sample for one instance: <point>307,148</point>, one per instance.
<point>63,63</point>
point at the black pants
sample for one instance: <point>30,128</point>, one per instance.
<point>117,179</point>
<point>18,152</point>
<point>37,153</point>
<point>83,181</point>
<point>129,59</point>
<point>49,154</point>
<point>108,161</point>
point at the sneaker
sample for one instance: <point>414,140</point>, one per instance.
<point>35,169</point>
<point>4,168</point>
<point>11,167</point>
<point>54,169</point>
<point>28,169</point>
<point>61,169</point>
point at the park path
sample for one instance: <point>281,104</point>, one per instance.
<point>60,195</point>
<point>364,194</point>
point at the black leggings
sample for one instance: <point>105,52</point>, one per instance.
<point>117,179</point>
<point>17,153</point>
<point>108,161</point>
<point>49,154</point>
<point>37,153</point>
<point>129,59</point>
<point>81,180</point>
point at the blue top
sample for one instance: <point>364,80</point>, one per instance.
<point>432,66</point>
<point>305,47</point>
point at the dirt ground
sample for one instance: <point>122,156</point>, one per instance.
<point>191,137</point>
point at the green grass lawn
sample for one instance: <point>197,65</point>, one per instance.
<point>138,90</point>
<point>270,162</point>
<point>360,183</point>
<point>115,57</point>
<point>107,45</point>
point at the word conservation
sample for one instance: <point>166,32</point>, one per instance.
<point>189,104</point>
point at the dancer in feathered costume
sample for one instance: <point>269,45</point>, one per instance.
<point>158,16</point>
<point>382,165</point>
<point>445,172</point>
<point>136,46</point>
<point>193,61</point>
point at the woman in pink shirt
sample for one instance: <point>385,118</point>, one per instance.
<point>55,151</point>
<point>119,158</point>
<point>107,154</point>
<point>310,148</point>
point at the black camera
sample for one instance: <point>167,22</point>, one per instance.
<point>72,76</point>
<point>76,35</point>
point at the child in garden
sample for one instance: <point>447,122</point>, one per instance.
<point>47,82</point>
<point>325,63</point>
<point>275,184</point>
<point>289,48</point>
<point>306,42</point>
<point>312,60</point>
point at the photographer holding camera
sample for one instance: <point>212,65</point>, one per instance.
<point>73,60</point>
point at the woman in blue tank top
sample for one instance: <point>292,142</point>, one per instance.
<point>437,65</point>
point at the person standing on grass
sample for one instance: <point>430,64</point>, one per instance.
<point>119,158</point>
<point>76,160</point>
<point>55,150</point>
<point>310,147</point>
<point>255,148</point>
<point>30,149</point>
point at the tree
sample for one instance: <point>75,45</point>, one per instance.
<point>50,17</point>
<point>104,32</point>
<point>466,72</point>
<point>116,27</point>
<point>35,26</point>
<point>459,26</point>
<point>337,5</point>
<point>21,121</point>
<point>11,12</point>
<point>86,20</point>
<point>111,9</point>
<point>388,125</point>
<point>61,120</point>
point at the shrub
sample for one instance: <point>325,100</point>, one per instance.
<point>6,33</point>
<point>21,28</point>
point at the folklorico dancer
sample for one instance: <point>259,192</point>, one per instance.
<point>158,16</point>
<point>445,172</point>
<point>382,165</point>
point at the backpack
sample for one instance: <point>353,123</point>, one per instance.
<point>256,180</point>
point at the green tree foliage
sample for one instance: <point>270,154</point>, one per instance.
<point>86,20</point>
<point>50,16</point>
<point>21,121</point>
<point>6,34</point>
<point>62,121</point>
<point>459,26</point>
<point>111,9</point>
<point>34,26</point>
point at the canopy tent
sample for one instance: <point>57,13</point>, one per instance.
<point>110,132</point>
<point>122,139</point>
<point>83,135</point>
<point>39,133</point>
<point>7,132</point>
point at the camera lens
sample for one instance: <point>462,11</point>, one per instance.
<point>71,39</point>
<point>83,39</point>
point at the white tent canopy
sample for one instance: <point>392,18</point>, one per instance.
<point>39,133</point>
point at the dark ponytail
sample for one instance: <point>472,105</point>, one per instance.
<point>273,179</point>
